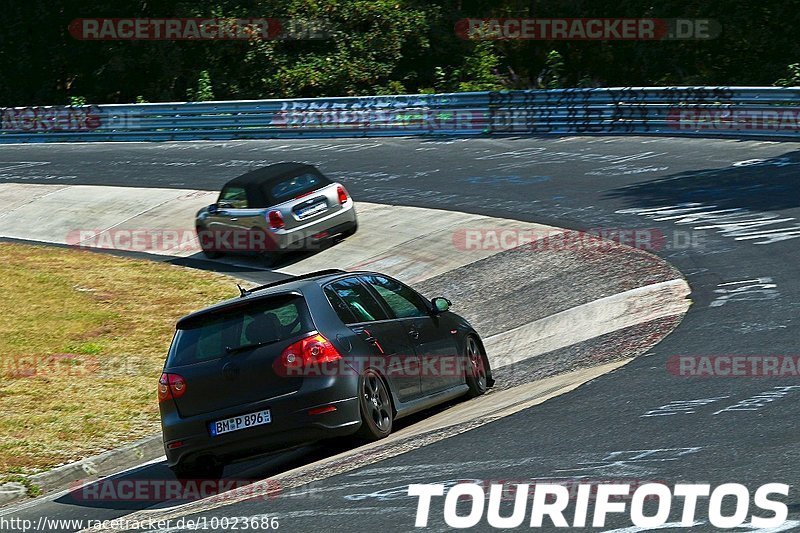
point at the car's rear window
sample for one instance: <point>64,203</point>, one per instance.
<point>212,336</point>
<point>291,187</point>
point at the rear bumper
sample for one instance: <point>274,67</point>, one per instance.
<point>291,424</point>
<point>260,238</point>
<point>309,236</point>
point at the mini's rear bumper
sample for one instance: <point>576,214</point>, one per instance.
<point>291,423</point>
<point>310,235</point>
<point>256,236</point>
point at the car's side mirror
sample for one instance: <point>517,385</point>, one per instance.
<point>213,208</point>
<point>440,305</point>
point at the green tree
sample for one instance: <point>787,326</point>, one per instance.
<point>203,92</point>
<point>552,76</point>
<point>792,78</point>
<point>480,69</point>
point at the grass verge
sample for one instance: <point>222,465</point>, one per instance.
<point>82,341</point>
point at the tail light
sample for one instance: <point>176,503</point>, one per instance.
<point>311,351</point>
<point>275,220</point>
<point>342,194</point>
<point>170,386</point>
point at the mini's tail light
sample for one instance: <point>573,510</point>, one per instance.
<point>276,220</point>
<point>171,386</point>
<point>342,194</point>
<point>313,350</point>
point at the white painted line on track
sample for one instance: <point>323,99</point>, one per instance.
<point>588,321</point>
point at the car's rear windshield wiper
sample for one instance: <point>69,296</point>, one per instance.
<point>244,347</point>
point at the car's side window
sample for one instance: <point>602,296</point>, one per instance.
<point>341,308</point>
<point>358,300</point>
<point>401,299</point>
<point>235,197</point>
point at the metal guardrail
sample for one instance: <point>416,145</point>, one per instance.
<point>735,111</point>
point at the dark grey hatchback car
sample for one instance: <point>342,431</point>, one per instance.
<point>325,354</point>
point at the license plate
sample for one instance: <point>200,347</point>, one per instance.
<point>236,423</point>
<point>312,210</point>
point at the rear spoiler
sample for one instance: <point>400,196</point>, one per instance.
<point>183,323</point>
<point>327,272</point>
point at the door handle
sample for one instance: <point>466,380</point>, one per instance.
<point>413,333</point>
<point>372,340</point>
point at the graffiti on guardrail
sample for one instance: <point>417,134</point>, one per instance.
<point>700,95</point>
<point>50,119</point>
<point>698,118</point>
<point>567,111</point>
<point>412,112</point>
<point>634,110</point>
<point>624,110</point>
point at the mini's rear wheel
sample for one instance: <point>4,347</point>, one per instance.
<point>269,259</point>
<point>376,407</point>
<point>477,369</point>
<point>351,231</point>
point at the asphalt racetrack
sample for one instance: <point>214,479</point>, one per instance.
<point>640,423</point>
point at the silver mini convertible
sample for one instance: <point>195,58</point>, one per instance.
<point>286,206</point>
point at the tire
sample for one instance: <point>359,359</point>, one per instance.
<point>477,372</point>
<point>375,405</point>
<point>208,253</point>
<point>209,470</point>
<point>269,259</point>
<point>352,231</point>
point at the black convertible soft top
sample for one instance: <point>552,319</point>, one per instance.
<point>258,183</point>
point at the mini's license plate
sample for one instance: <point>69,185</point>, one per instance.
<point>312,209</point>
<point>236,423</point>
